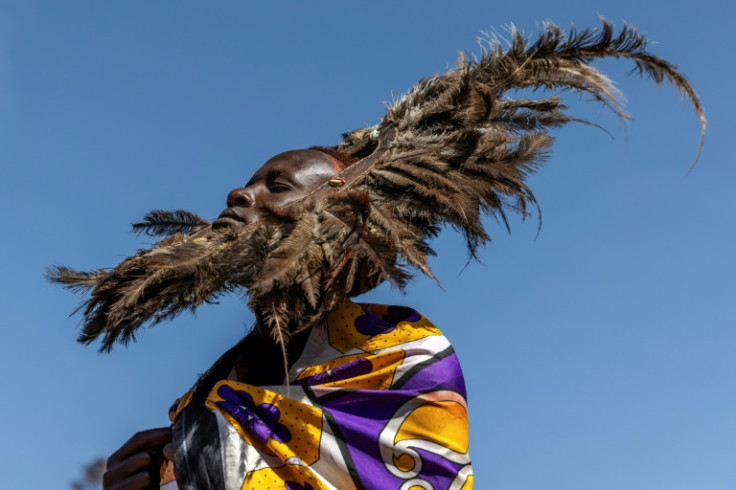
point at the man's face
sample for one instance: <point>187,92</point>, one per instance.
<point>283,179</point>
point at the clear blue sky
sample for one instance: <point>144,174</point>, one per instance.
<point>600,355</point>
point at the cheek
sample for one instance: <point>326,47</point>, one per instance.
<point>284,198</point>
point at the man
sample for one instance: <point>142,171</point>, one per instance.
<point>395,359</point>
<point>373,396</point>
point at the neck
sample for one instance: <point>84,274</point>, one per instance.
<point>261,360</point>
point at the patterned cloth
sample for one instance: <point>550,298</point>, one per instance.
<point>376,400</point>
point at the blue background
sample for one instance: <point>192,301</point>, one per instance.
<point>598,355</point>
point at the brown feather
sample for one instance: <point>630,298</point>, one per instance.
<point>453,149</point>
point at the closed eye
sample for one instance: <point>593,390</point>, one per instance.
<point>277,187</point>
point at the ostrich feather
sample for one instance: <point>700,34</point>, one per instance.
<point>167,223</point>
<point>456,147</point>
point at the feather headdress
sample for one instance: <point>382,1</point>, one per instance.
<point>454,148</point>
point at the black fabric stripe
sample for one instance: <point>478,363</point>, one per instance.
<point>418,367</point>
<point>340,440</point>
<point>333,395</point>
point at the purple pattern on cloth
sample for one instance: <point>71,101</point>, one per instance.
<point>260,421</point>
<point>444,374</point>
<point>370,324</point>
<point>292,485</point>
<point>361,416</point>
<point>351,369</point>
<point>437,470</point>
<point>397,314</point>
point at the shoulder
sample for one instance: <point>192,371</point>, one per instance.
<point>371,327</point>
<point>390,347</point>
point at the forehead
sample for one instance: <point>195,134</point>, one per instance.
<point>298,163</point>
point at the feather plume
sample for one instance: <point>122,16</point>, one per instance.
<point>453,149</point>
<point>167,223</point>
<point>78,281</point>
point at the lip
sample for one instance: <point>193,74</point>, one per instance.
<point>226,223</point>
<point>228,218</point>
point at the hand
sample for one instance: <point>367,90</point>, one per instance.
<point>137,464</point>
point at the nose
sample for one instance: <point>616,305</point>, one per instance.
<point>239,197</point>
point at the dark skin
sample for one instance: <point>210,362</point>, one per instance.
<point>283,179</point>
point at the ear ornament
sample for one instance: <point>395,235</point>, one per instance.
<point>336,182</point>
